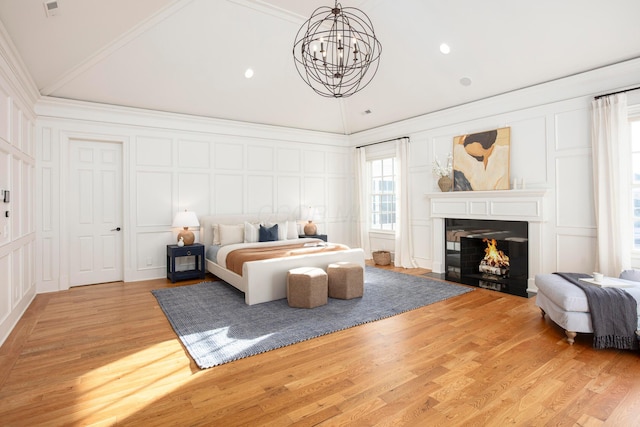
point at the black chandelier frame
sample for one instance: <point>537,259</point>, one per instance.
<point>336,51</point>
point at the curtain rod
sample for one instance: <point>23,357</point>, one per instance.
<point>382,142</point>
<point>615,93</point>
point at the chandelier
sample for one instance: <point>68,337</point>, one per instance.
<point>336,51</point>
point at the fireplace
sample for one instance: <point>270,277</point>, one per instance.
<point>491,254</point>
<point>525,206</point>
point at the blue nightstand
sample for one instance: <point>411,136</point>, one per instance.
<point>174,251</point>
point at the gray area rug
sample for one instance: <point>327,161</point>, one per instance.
<point>216,326</point>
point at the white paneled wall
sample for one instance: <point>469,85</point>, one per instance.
<point>574,218</point>
<point>17,233</point>
<point>206,167</point>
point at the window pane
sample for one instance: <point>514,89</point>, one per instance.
<point>636,218</point>
<point>383,200</point>
<point>635,181</point>
<point>376,168</point>
<point>387,167</point>
<point>636,167</point>
<point>635,135</point>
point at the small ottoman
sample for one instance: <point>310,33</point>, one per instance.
<point>346,280</point>
<point>306,287</point>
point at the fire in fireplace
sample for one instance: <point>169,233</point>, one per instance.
<point>495,262</point>
<point>488,254</point>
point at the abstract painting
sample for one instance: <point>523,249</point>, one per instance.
<point>481,160</point>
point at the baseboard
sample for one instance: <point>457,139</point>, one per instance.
<point>10,322</point>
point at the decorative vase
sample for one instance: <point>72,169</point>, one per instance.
<point>445,183</point>
<point>310,229</point>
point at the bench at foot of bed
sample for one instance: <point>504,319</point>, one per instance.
<point>566,304</point>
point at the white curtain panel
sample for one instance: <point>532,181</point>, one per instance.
<point>611,150</point>
<point>403,244</point>
<point>361,185</point>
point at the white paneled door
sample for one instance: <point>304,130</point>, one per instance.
<point>95,212</point>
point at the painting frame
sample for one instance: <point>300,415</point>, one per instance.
<point>481,160</point>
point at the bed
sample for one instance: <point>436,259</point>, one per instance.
<point>266,279</point>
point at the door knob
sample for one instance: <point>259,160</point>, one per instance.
<point>115,229</point>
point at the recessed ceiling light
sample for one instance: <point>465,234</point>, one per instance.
<point>444,48</point>
<point>249,73</point>
<point>465,81</point>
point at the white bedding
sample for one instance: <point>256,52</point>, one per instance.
<point>266,280</point>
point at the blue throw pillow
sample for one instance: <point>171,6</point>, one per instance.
<point>268,234</point>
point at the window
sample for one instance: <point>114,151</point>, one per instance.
<point>635,182</point>
<point>383,194</point>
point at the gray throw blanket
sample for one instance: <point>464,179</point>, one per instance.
<point>614,314</point>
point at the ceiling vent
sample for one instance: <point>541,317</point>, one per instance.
<point>51,8</point>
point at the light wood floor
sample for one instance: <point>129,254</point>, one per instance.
<point>105,354</point>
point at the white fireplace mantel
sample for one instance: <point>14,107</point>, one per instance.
<point>506,205</point>
<point>515,205</point>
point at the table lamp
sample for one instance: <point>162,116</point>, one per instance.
<point>185,220</point>
<point>310,229</point>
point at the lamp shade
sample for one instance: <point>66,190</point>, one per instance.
<point>309,213</point>
<point>185,220</point>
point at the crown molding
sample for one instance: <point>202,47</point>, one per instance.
<point>15,72</point>
<point>619,76</point>
<point>51,108</point>
<point>269,9</point>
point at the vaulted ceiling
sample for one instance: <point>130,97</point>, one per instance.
<point>189,56</point>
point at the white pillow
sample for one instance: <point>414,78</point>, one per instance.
<point>230,234</point>
<point>251,232</point>
<point>216,234</point>
<point>292,230</point>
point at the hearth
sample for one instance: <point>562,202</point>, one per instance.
<point>491,254</point>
